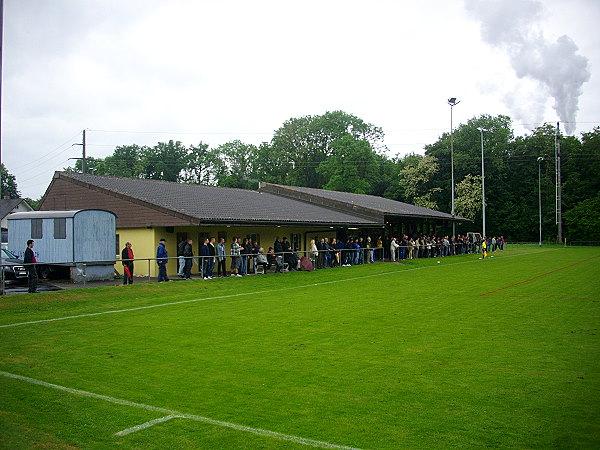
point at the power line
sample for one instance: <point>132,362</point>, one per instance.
<point>49,153</point>
<point>182,132</point>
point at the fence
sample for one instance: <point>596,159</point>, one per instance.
<point>285,261</point>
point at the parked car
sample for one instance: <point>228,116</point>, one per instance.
<point>14,270</point>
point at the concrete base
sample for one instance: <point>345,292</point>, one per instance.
<point>79,273</point>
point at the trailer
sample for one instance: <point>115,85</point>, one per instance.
<point>82,242</point>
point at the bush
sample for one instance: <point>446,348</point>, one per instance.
<point>583,221</point>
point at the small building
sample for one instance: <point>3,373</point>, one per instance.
<point>67,239</point>
<point>9,206</point>
<point>148,210</point>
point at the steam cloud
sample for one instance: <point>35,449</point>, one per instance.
<point>509,24</point>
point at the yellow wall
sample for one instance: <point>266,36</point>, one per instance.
<point>143,246</point>
<point>145,240</point>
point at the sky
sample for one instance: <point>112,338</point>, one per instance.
<point>147,71</point>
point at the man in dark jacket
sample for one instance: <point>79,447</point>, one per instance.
<point>278,250</point>
<point>212,252</point>
<point>29,258</point>
<point>287,252</point>
<point>188,254</point>
<point>205,254</point>
<point>162,259</point>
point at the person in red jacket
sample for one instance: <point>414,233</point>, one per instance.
<point>127,254</point>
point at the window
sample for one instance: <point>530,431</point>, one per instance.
<point>36,229</point>
<point>60,228</point>
<point>295,241</point>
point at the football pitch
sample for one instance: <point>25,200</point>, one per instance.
<point>502,352</point>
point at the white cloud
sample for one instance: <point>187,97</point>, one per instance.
<point>237,69</point>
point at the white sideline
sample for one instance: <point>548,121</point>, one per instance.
<point>269,291</point>
<point>145,425</point>
<point>175,414</point>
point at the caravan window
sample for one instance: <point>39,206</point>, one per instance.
<point>60,228</point>
<point>36,229</point>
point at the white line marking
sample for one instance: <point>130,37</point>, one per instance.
<point>241,294</point>
<point>143,426</point>
<point>118,401</point>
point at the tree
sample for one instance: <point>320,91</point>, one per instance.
<point>351,166</point>
<point>580,167</point>
<point>164,161</point>
<point>126,161</point>
<point>202,165</point>
<point>583,221</point>
<point>415,180</point>
<point>9,183</point>
<point>34,203</point>
<point>468,197</point>
<point>308,141</point>
<point>92,165</point>
<point>236,165</point>
<point>498,141</point>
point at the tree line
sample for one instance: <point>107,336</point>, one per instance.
<point>339,151</point>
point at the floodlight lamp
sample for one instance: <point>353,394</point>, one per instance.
<point>540,158</point>
<point>453,102</point>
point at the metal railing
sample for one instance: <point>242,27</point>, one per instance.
<point>320,259</point>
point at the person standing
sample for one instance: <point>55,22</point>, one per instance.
<point>244,252</point>
<point>212,252</point>
<point>29,260</point>
<point>278,250</point>
<point>127,260</point>
<point>188,254</point>
<point>235,257</point>
<point>255,251</point>
<point>393,249</point>
<point>204,255</point>
<point>286,248</point>
<point>221,258</point>
<point>162,258</point>
<point>181,258</point>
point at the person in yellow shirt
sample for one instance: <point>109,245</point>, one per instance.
<point>484,247</point>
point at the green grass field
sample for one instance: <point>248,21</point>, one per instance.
<point>497,353</point>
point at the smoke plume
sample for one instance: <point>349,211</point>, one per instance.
<point>510,25</point>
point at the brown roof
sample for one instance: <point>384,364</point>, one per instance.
<point>210,204</point>
<point>7,205</point>
<point>361,203</point>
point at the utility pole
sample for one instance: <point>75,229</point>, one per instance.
<point>83,159</point>
<point>83,165</point>
<point>559,237</point>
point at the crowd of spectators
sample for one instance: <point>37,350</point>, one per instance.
<point>420,246</point>
<point>248,257</point>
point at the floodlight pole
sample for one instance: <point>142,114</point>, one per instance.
<point>481,129</point>
<point>1,57</point>
<point>540,159</point>
<point>452,102</point>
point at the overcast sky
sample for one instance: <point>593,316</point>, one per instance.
<point>133,71</point>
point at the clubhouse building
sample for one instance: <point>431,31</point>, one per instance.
<point>148,210</point>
